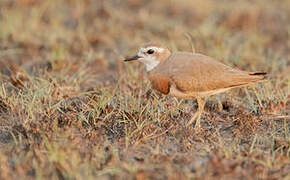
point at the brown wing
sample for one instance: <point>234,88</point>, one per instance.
<point>198,73</point>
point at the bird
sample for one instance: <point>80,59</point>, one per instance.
<point>191,75</point>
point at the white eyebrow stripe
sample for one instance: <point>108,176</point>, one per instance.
<point>142,49</point>
<point>152,47</point>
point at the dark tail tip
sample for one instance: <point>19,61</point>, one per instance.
<point>258,73</point>
<point>262,74</point>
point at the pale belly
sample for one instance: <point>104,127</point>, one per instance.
<point>177,93</point>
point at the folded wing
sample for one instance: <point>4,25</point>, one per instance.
<point>198,73</point>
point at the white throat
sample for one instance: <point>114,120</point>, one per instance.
<point>149,67</point>
<point>150,63</point>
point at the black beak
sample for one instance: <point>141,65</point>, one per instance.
<point>132,58</point>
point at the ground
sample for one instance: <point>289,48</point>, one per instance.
<point>70,108</point>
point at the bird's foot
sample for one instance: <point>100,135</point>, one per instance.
<point>196,118</point>
<point>197,125</point>
<point>192,119</point>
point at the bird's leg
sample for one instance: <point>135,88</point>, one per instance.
<point>201,103</point>
<point>220,104</point>
<point>197,115</point>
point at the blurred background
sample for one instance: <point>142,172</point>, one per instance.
<point>251,34</point>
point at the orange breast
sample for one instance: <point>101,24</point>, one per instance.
<point>160,82</point>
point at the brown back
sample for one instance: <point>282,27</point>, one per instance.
<point>198,73</point>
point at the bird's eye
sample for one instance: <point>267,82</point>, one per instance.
<point>150,51</point>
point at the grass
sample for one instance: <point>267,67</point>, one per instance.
<point>71,109</point>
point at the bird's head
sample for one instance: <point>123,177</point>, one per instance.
<point>151,55</point>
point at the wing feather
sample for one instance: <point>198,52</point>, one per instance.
<point>199,73</point>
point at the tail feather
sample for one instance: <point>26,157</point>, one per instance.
<point>249,78</point>
<point>259,75</point>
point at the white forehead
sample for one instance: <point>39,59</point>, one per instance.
<point>157,49</point>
